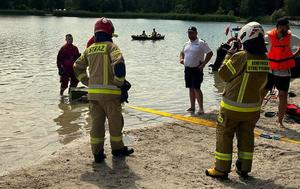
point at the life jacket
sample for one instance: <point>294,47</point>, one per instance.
<point>280,54</point>
<point>293,109</point>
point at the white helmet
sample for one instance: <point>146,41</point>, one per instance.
<point>250,31</point>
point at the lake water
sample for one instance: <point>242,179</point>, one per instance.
<point>35,121</point>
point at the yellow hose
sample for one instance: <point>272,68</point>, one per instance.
<point>203,122</point>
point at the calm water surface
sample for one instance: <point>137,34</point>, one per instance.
<point>36,121</point>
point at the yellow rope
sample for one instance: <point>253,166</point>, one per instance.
<point>201,122</point>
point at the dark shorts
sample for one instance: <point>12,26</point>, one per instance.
<point>281,83</point>
<point>193,77</point>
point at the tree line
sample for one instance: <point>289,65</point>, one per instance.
<point>241,8</point>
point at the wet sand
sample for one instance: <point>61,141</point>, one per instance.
<point>173,155</point>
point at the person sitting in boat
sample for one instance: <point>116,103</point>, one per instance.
<point>154,33</point>
<point>144,34</point>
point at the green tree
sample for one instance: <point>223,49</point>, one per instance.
<point>59,4</point>
<point>227,6</point>
<point>166,6</point>
<point>68,4</point>
<point>20,4</point>
<point>202,6</point>
<point>4,5</point>
<point>129,5</point>
<point>252,8</point>
<point>55,4</point>
<point>14,4</point>
<point>90,5</point>
<point>38,4</point>
<point>277,14</point>
<point>75,4</point>
<point>271,5</point>
<point>292,7</point>
<point>110,5</point>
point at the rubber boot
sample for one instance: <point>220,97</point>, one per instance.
<point>239,171</point>
<point>122,152</point>
<point>215,173</point>
<point>99,158</point>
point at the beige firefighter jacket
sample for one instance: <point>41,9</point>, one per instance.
<point>100,59</point>
<point>245,75</point>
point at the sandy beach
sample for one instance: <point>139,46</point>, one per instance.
<point>172,155</point>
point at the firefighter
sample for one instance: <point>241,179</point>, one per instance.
<point>106,73</point>
<point>65,60</point>
<point>245,74</point>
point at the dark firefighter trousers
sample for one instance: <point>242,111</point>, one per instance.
<point>239,123</point>
<point>99,111</point>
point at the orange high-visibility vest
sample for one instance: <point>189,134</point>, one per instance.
<point>280,54</point>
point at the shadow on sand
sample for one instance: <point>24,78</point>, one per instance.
<point>119,175</point>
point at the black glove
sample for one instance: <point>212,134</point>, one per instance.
<point>60,71</point>
<point>124,96</point>
<point>124,91</point>
<point>234,47</point>
<point>236,44</point>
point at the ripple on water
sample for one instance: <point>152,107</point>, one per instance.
<point>34,118</point>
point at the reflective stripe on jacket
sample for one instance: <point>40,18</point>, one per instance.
<point>101,60</point>
<point>245,76</point>
<point>280,54</point>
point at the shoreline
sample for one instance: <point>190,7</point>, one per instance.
<point>120,15</point>
<point>139,15</point>
<point>172,155</point>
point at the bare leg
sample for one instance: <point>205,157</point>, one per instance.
<point>199,97</point>
<point>192,100</point>
<point>282,106</point>
<point>263,95</point>
<point>61,92</point>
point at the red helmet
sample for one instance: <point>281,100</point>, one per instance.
<point>104,25</point>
